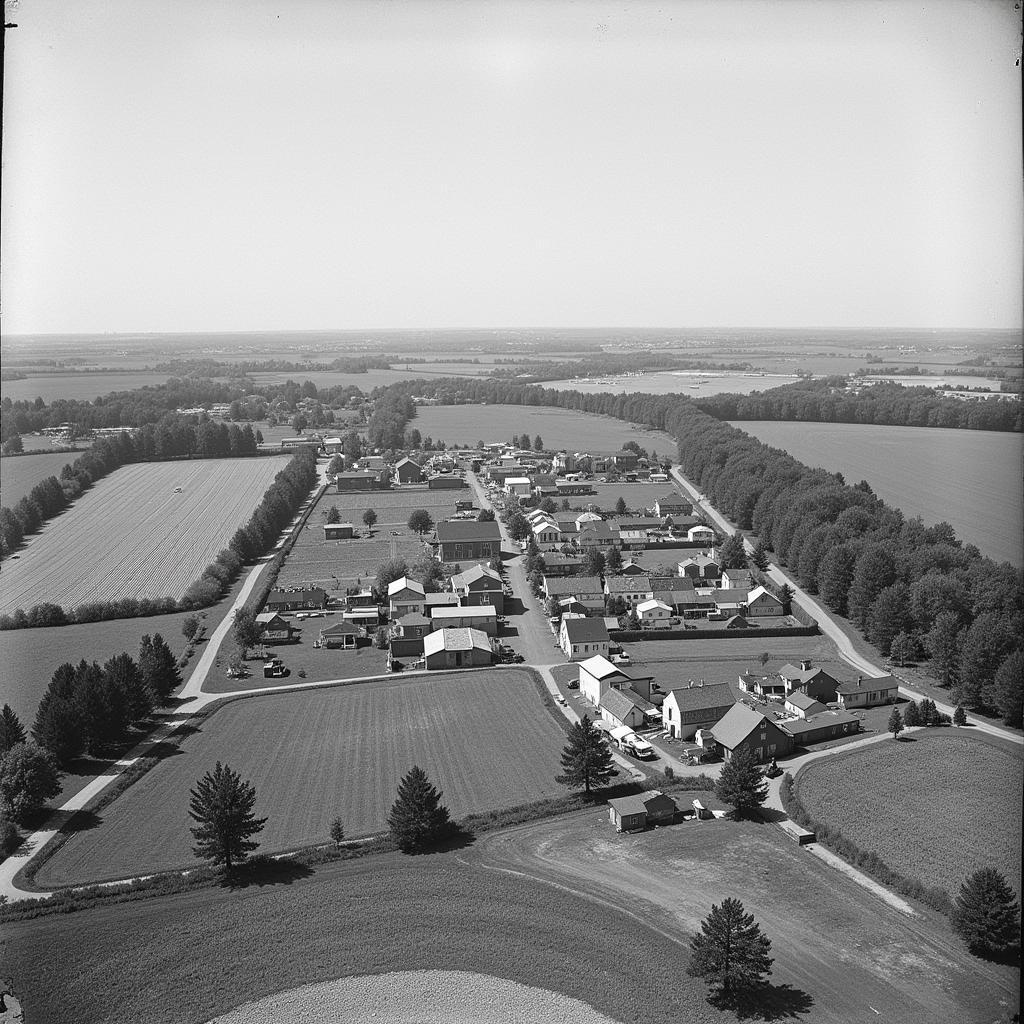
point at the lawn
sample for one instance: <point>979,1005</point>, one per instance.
<point>19,474</point>
<point>559,428</point>
<point>134,536</point>
<point>484,737</point>
<point>937,808</point>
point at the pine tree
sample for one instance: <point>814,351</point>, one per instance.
<point>103,708</point>
<point>159,669</point>
<point>620,506</point>
<point>613,560</point>
<point>742,784</point>
<point>730,949</point>
<point>959,716</point>
<point>732,553</point>
<point>986,914</point>
<point>1008,688</point>
<point>127,676</point>
<point>418,819</point>
<point>222,807</point>
<point>337,831</point>
<point>895,725</point>
<point>593,563</point>
<point>586,758</point>
<point>943,645</point>
<point>760,557</point>
<point>12,731</point>
<point>911,716</point>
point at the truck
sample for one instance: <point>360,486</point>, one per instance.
<point>274,669</point>
<point>629,743</point>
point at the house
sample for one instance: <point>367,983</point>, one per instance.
<point>408,472</point>
<point>654,614</point>
<point>730,602</point>
<point>624,707</point>
<point>822,726</point>
<point>519,486</point>
<point>867,693</point>
<point>273,628</point>
<point>736,579</point>
<point>672,505</point>
<point>372,463</point>
<point>598,674</point>
<point>479,616</point>
<point>763,686</point>
<point>456,648</point>
<point>631,588</point>
<point>557,564</point>
<point>799,704</point>
<point>631,568</point>
<point>357,480</point>
<point>443,600</point>
<point>407,635</point>
<point>815,682</point>
<point>744,729</point>
<point>587,590</point>
<point>633,813</point>
<point>546,533</point>
<point>576,609</point>
<point>296,600</point>
<point>479,585</point>
<point>445,482</point>
<point>675,598</point>
<point>597,535</point>
<point>569,487</point>
<point>763,602</point>
<point>544,483</point>
<point>333,445</point>
<point>689,708</point>
<point>700,567</point>
<point>583,638</point>
<point>341,634</point>
<point>405,595</point>
<point>700,535</point>
<point>694,604</point>
<point>626,460</point>
<point>338,531</point>
<point>467,540</point>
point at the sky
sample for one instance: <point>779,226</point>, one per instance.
<point>203,165</point>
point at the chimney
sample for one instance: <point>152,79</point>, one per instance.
<point>805,665</point>
<point>860,679</point>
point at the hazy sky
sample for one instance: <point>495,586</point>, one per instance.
<point>202,164</point>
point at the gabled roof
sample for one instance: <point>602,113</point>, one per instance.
<point>407,462</point>
<point>737,724</point>
<point>564,586</point>
<point>440,600</point>
<point>702,698</point>
<point>340,629</point>
<point>617,704</point>
<point>627,584</point>
<point>699,560</point>
<point>455,639</point>
<point>599,528</point>
<point>761,592</point>
<point>478,611</point>
<point>404,583</point>
<point>633,569</point>
<point>673,499</point>
<point>468,530</point>
<point>862,685</point>
<point>649,606</point>
<point>410,619</point>
<point>801,700</point>
<point>802,675</point>
<point>642,803</point>
<point>474,573</point>
<point>736,622</point>
<point>600,667</point>
<point>733,596</point>
<point>585,630</point>
<point>266,617</point>
<point>797,727</point>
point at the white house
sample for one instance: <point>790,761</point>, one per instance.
<point>583,638</point>
<point>519,486</point>
<point>546,533</point>
<point>763,602</point>
<point>701,534</point>
<point>598,674</point>
<point>405,595</point>
<point>654,614</point>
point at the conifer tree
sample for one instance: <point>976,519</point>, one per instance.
<point>760,556</point>
<point>986,914</point>
<point>742,784</point>
<point>159,669</point>
<point>58,725</point>
<point>730,950</point>
<point>103,708</point>
<point>911,716</point>
<point>418,819</point>
<point>222,807</point>
<point>12,731</point>
<point>586,758</point>
<point>959,716</point>
<point>125,674</point>
<point>895,725</point>
<point>613,560</point>
<point>732,553</point>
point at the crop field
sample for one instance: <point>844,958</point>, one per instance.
<point>936,809</point>
<point>81,386</point>
<point>330,563</point>
<point>484,738</point>
<point>19,475</point>
<point>132,536</point>
<point>574,431</point>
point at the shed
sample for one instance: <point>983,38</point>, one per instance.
<point>341,634</point>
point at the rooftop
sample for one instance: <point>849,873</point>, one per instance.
<point>585,630</point>
<point>700,698</point>
<point>468,530</point>
<point>455,639</point>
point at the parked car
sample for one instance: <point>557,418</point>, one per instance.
<point>622,659</point>
<point>560,700</point>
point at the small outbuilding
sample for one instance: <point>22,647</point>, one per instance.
<point>338,531</point>
<point>636,812</point>
<point>342,634</point>
<point>456,648</point>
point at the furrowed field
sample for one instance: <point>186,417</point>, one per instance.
<point>315,560</point>
<point>484,738</point>
<point>20,474</point>
<point>937,809</point>
<point>132,536</point>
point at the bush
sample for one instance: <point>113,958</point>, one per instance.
<point>10,838</point>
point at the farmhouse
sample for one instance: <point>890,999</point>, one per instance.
<point>456,648</point>
<point>598,674</point>
<point>273,628</point>
<point>799,704</point>
<point>763,686</point>
<point>405,595</point>
<point>825,725</point>
<point>468,540</point>
<point>736,579</point>
<point>654,614</point>
<point>867,693</point>
<point>341,634</point>
<point>744,729</point>
<point>633,813</point>
<point>296,600</point>
<point>672,505</point>
<point>631,588</point>
<point>408,472</point>
<point>359,480</point>
<point>338,531</point>
<point>689,708</point>
<point>583,638</point>
<point>700,567</point>
<point>585,589</point>
<point>815,682</point>
<point>624,707</point>
<point>480,616</point>
<point>479,585</point>
<point>763,602</point>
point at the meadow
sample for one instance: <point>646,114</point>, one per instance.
<point>133,536</point>
<point>969,478</point>
<point>936,808</point>
<point>559,428</point>
<point>484,738</point>
<point>20,474</point>
<point>83,387</point>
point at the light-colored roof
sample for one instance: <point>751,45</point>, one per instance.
<point>340,629</point>
<point>600,667</point>
<point>404,583</point>
<point>760,592</point>
<point>264,617</point>
<point>736,725</point>
<point>455,639</point>
<point>517,480</point>
<point>474,573</point>
<point>628,584</point>
<point>617,704</point>
<point>821,720</point>
<point>475,611</point>
<point>700,698</point>
<point>650,606</point>
<point>801,700</point>
<point>407,462</point>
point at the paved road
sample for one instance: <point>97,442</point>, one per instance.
<point>826,623</point>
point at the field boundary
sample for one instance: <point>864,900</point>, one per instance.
<point>630,636</point>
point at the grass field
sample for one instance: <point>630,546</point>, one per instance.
<point>133,536</point>
<point>936,809</point>
<point>19,475</point>
<point>315,560</point>
<point>574,431</point>
<point>484,738</point>
<point>81,386</point>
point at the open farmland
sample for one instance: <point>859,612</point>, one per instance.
<point>559,428</point>
<point>18,475</point>
<point>484,738</point>
<point>937,808</point>
<point>315,560</point>
<point>83,387</point>
<point>132,536</point>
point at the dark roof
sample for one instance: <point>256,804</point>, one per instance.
<point>673,499</point>
<point>700,698</point>
<point>585,630</point>
<point>736,725</point>
<point>878,683</point>
<point>462,530</point>
<point>627,584</point>
<point>737,622</point>
<point>801,700</point>
<point>566,586</point>
<point>340,628</point>
<point>801,726</point>
<point>617,704</point>
<point>297,595</point>
<point>412,619</point>
<point>735,596</point>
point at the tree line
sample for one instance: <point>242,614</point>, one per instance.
<point>827,401</point>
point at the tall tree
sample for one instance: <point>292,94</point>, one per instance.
<point>369,520</point>
<point>895,725</point>
<point>983,647</point>
<point>222,807</point>
<point>875,570</point>
<point>421,522</point>
<point>986,914</point>
<point>418,819</point>
<point>943,645</point>
<point>12,732</point>
<point>835,573</point>
<point>732,553</point>
<point>1008,688</point>
<point>518,527</point>
<point>593,562</point>
<point>159,668</point>
<point>246,629</point>
<point>28,777</point>
<point>613,560</point>
<point>760,556</point>
<point>538,443</point>
<point>126,676</point>
<point>586,758</point>
<point>485,515</point>
<point>903,648</point>
<point>742,784</point>
<point>333,515</point>
<point>189,627</point>
<point>730,950</point>
<point>620,506</point>
<point>103,708</point>
<point>389,571</point>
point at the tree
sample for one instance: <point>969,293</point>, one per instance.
<point>613,560</point>
<point>895,725</point>
<point>760,557</point>
<point>12,732</point>
<point>420,522</point>
<point>1008,688</point>
<point>158,666</point>
<point>586,758</point>
<point>538,443</point>
<point>333,515</point>
<point>485,515</point>
<point>246,629</point>
<point>28,778</point>
<point>370,520</point>
<point>518,527</point>
<point>299,423</point>
<point>742,784</point>
<point>389,571</point>
<point>986,914</point>
<point>58,724</point>
<point>632,620</point>
<point>911,716</point>
<point>730,949</point>
<point>593,562</point>
<point>620,506</point>
<point>189,627</point>
<point>959,716</point>
<point>13,445</point>
<point>337,831</point>
<point>903,648</point>
<point>786,596</point>
<point>259,436</point>
<point>126,676</point>
<point>552,608</point>
<point>222,807</point>
<point>10,838</point>
<point>418,819</point>
<point>102,707</point>
<point>943,645</point>
<point>983,647</point>
<point>733,554</point>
